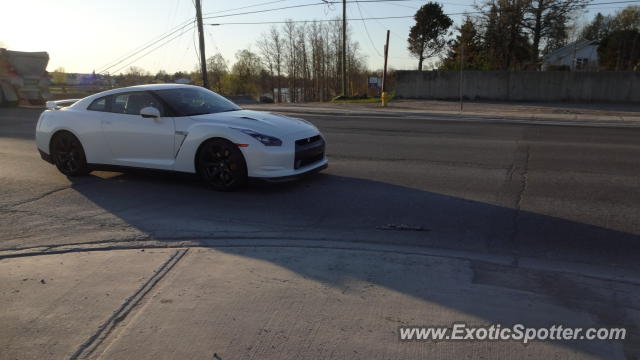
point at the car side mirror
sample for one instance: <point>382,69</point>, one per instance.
<point>150,112</point>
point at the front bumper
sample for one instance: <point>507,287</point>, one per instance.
<point>298,176</point>
<point>300,153</point>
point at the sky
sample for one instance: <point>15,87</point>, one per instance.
<point>88,35</point>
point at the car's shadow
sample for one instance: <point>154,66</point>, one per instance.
<point>170,206</point>
<point>339,205</point>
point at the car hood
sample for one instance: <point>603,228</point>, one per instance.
<point>263,122</point>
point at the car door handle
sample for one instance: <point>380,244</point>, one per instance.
<point>106,122</point>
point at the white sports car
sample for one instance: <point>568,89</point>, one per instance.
<point>178,128</point>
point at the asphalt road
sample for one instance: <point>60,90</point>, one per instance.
<point>558,192</point>
<point>565,198</point>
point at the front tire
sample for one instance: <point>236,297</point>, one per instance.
<point>68,155</point>
<point>221,165</point>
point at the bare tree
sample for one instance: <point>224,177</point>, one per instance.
<point>289,30</point>
<point>307,58</point>
<point>504,41</point>
<point>134,76</point>
<point>598,28</point>
<point>302,61</point>
<point>547,21</point>
<point>267,58</point>
<point>272,48</point>
<point>217,69</point>
<point>246,71</point>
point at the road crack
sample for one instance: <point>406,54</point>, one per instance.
<point>524,178</point>
<point>104,330</point>
<point>523,175</point>
<point>35,198</point>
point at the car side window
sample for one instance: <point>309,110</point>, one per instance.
<point>98,104</point>
<point>131,103</point>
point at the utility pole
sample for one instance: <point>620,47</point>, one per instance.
<point>203,61</point>
<point>383,96</point>
<point>461,84</point>
<point>344,47</point>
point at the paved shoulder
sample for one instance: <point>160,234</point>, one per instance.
<point>276,302</point>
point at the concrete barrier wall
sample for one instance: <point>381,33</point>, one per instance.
<point>521,85</point>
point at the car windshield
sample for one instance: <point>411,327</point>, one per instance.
<point>195,101</point>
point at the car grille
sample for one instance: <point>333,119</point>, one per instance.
<point>308,151</point>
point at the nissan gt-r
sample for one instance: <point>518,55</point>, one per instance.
<point>177,128</point>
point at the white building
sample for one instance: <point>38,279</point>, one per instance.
<point>580,55</point>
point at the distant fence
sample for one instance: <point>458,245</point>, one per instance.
<point>520,85</point>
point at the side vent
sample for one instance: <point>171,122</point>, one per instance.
<point>180,137</point>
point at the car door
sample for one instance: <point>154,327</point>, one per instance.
<point>89,128</point>
<point>138,141</point>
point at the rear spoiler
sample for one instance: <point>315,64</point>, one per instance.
<point>59,104</point>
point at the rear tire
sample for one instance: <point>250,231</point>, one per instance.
<point>221,165</point>
<point>68,155</point>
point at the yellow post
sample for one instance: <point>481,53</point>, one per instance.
<point>385,98</point>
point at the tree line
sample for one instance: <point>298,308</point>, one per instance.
<point>306,60</point>
<point>301,62</point>
<point>619,37</point>
<point>516,34</point>
<point>294,62</point>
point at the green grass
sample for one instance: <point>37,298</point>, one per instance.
<point>347,101</point>
<point>370,100</point>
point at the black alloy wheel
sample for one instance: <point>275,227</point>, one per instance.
<point>68,155</point>
<point>222,165</point>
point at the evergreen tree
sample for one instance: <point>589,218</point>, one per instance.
<point>505,43</point>
<point>427,38</point>
<point>469,39</point>
<point>598,29</point>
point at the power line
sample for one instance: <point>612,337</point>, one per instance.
<point>367,31</point>
<point>183,53</point>
<point>186,23</point>
<point>401,5</point>
<point>154,49</point>
<point>300,6</point>
<point>140,49</point>
<point>193,39</point>
<point>332,20</point>
<point>212,39</point>
<point>155,40</point>
<point>361,19</point>
<point>384,27</point>
<point>267,10</point>
<point>245,7</point>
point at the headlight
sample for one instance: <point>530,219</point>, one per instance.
<point>265,139</point>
